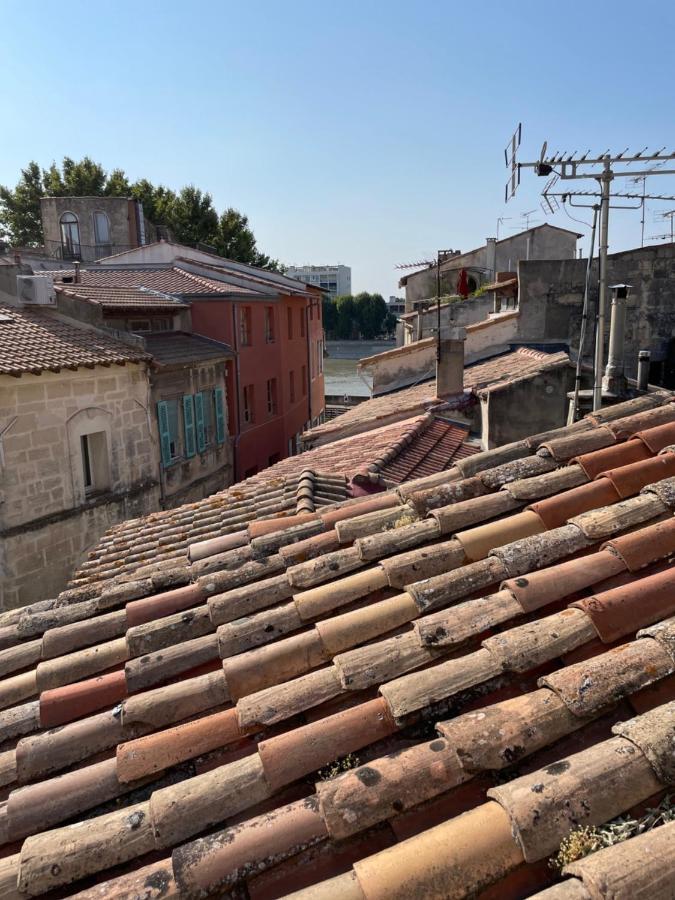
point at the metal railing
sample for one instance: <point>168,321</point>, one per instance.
<point>83,252</point>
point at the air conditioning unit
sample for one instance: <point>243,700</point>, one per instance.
<point>35,290</point>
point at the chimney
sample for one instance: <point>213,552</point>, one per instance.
<point>76,266</point>
<point>644,358</point>
<point>450,361</point>
<point>491,257</point>
<point>614,381</point>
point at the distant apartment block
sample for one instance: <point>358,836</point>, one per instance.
<point>333,280</point>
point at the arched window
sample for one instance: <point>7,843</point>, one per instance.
<point>70,236</point>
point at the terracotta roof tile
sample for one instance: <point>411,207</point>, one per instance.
<point>505,368</point>
<point>350,668</point>
<point>34,341</point>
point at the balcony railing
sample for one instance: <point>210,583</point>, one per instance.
<point>85,253</point>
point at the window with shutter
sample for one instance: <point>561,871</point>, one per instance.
<point>164,432</point>
<point>199,419</point>
<point>189,425</point>
<point>219,398</point>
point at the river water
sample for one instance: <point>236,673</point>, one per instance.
<point>339,367</point>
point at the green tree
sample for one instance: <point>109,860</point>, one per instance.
<point>188,215</point>
<point>371,311</point>
<point>329,314</point>
<point>346,325</point>
<point>20,208</point>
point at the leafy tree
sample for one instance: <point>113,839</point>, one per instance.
<point>365,316</point>
<point>193,218</point>
<point>189,214</point>
<point>329,314</point>
<point>20,208</point>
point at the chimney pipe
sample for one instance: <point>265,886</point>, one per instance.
<point>491,257</point>
<point>450,366</point>
<point>644,357</point>
<point>614,381</point>
<point>76,266</point>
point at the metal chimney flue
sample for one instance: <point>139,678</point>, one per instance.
<point>614,381</point>
<point>76,266</point>
<point>644,359</point>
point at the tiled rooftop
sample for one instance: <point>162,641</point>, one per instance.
<point>364,459</point>
<point>497,370</point>
<point>419,693</point>
<point>174,347</point>
<point>114,297</point>
<point>35,340</point>
<point>168,279</point>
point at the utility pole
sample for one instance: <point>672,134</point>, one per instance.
<point>572,167</point>
<point>605,182</point>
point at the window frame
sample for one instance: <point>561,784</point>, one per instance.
<point>270,336</point>
<point>66,226</point>
<point>272,397</point>
<point>245,327</point>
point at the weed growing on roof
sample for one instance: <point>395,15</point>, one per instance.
<point>584,841</point>
<point>405,519</point>
<point>350,761</point>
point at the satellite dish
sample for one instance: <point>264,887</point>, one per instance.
<point>543,151</point>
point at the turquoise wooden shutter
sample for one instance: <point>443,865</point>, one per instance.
<point>219,396</point>
<point>199,416</point>
<point>189,425</point>
<point>164,432</point>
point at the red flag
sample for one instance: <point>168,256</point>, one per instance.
<point>463,284</point>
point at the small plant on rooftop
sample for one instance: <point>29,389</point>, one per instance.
<point>586,840</point>
<point>338,766</point>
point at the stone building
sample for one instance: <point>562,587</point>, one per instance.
<point>483,263</point>
<point>88,443</point>
<point>76,446</point>
<point>91,228</point>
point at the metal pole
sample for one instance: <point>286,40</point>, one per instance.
<point>605,182</point>
<point>584,315</point>
<point>438,306</point>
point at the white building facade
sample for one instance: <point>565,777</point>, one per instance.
<point>333,280</point>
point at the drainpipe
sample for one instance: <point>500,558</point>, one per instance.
<point>614,381</point>
<point>644,357</point>
<point>309,362</point>
<point>237,388</point>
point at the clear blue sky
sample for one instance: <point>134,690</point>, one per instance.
<point>367,133</point>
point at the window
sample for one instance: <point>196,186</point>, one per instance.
<point>302,322</point>
<point>245,326</point>
<point>101,229</point>
<point>311,310</point>
<point>304,380</point>
<point>139,325</point>
<point>169,430</point>
<point>271,396</point>
<point>291,385</point>
<point>290,324</point>
<point>247,405</point>
<point>269,324</point>
<point>70,236</point>
<point>209,418</point>
<point>319,356</point>
<point>95,471</point>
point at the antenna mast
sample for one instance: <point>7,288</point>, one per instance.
<point>603,169</point>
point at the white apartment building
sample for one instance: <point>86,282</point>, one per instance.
<point>334,280</point>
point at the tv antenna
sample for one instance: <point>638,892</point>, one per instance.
<point>604,168</point>
<point>665,237</point>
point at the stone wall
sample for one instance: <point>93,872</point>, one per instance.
<point>551,299</point>
<point>190,479</point>
<point>48,518</point>
<point>121,214</point>
<point>544,242</point>
<point>525,406</point>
